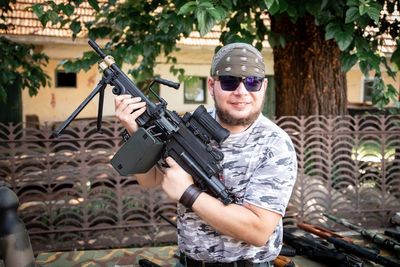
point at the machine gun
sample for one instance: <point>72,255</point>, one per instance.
<point>190,140</point>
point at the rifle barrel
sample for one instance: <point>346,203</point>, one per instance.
<point>96,48</point>
<point>374,237</point>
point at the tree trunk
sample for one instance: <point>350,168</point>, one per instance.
<point>308,76</point>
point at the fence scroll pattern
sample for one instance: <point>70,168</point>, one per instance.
<point>72,198</point>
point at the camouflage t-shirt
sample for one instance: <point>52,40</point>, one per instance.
<point>259,168</point>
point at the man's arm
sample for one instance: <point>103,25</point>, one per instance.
<point>248,223</point>
<point>127,110</point>
<point>151,178</point>
<point>251,224</point>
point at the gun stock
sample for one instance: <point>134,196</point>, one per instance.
<point>283,261</point>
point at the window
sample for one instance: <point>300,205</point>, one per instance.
<point>195,90</point>
<point>367,89</point>
<point>64,79</point>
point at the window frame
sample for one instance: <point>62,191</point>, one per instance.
<point>203,81</point>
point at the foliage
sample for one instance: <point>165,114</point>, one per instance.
<point>140,30</point>
<point>20,65</point>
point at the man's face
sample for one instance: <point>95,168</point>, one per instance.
<point>238,107</point>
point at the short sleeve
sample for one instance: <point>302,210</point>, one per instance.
<point>271,184</point>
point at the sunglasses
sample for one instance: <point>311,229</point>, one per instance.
<point>230,83</point>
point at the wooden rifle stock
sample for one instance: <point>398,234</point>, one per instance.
<point>322,232</point>
<point>283,261</point>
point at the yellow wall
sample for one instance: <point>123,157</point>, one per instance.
<point>56,104</point>
<point>355,80</point>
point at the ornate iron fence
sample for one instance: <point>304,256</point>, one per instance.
<point>71,197</point>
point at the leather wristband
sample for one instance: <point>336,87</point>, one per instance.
<point>189,196</point>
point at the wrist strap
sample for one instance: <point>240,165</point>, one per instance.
<point>125,135</point>
<point>189,196</point>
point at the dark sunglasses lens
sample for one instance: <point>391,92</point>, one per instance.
<point>229,83</point>
<point>253,84</point>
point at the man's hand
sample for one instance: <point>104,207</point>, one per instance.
<point>175,180</point>
<point>127,110</point>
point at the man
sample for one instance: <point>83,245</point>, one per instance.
<point>259,169</point>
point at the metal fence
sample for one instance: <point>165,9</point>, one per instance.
<point>72,198</point>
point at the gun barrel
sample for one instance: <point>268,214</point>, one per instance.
<point>362,252</point>
<point>343,222</point>
<point>374,237</point>
<point>393,234</point>
<point>96,48</point>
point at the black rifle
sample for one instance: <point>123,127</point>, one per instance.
<point>393,234</point>
<point>190,140</point>
<point>375,237</point>
<point>349,247</point>
<point>316,250</point>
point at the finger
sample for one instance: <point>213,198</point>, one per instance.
<point>118,99</point>
<point>138,112</point>
<point>170,161</point>
<point>132,107</point>
<point>122,101</point>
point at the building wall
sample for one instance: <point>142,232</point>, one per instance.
<point>355,85</point>
<point>56,104</point>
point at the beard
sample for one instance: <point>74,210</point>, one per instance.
<point>228,119</point>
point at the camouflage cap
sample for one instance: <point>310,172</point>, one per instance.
<point>238,59</point>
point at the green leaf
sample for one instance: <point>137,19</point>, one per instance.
<point>374,11</point>
<point>214,13</point>
<point>395,58</point>
<point>68,9</point>
<point>313,6</point>
<point>227,4</point>
<point>352,14</point>
<point>331,30</point>
<point>53,17</point>
<point>187,8</point>
<point>221,11</point>
<point>269,3</point>
<point>205,22</point>
<point>75,26</point>
<point>94,4</point>
<point>274,8</point>
<point>352,3</point>
<point>343,40</point>
<point>38,10</point>
<point>374,60</point>
<point>345,37</point>
<point>364,67</point>
<point>348,61</point>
